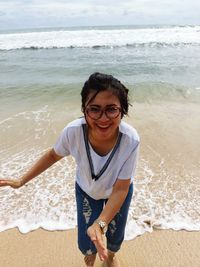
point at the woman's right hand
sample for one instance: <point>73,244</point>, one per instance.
<point>47,160</point>
<point>96,237</point>
<point>12,183</point>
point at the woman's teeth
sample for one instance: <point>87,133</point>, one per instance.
<point>103,126</point>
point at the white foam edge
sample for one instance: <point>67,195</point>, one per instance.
<point>133,229</point>
<point>25,228</point>
<point>139,227</point>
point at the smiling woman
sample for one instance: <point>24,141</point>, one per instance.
<point>105,150</point>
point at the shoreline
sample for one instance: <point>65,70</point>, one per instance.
<point>41,248</point>
<point>166,186</point>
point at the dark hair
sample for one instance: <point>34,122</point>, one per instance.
<point>99,82</point>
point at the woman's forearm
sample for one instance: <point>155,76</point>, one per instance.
<point>115,201</point>
<point>47,160</point>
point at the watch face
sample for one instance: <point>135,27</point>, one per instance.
<point>103,225</point>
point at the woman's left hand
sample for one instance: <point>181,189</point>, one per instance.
<point>95,234</point>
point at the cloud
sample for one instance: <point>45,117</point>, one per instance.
<point>2,13</point>
<point>40,13</point>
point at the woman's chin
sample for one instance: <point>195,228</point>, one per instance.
<point>105,133</point>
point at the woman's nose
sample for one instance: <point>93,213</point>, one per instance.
<point>104,117</point>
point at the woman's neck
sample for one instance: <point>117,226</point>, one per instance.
<point>102,147</point>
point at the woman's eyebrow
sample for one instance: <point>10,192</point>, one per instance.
<point>111,106</point>
<point>99,106</point>
<point>93,105</point>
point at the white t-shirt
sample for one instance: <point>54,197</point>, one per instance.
<point>122,165</point>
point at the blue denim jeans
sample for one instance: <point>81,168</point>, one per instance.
<point>88,210</point>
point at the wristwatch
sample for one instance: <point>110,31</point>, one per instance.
<point>103,225</point>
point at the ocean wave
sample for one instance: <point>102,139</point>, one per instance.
<point>98,38</point>
<point>128,45</point>
<point>52,200</point>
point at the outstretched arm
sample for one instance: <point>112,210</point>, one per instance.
<point>47,160</point>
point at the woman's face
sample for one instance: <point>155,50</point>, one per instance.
<point>103,128</point>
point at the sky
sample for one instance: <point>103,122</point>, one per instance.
<point>20,14</point>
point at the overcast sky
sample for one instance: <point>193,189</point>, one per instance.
<point>49,13</point>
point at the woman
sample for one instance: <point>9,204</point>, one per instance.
<point>105,149</point>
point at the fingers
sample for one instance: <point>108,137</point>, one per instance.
<point>97,238</point>
<point>12,183</point>
<point>102,250</point>
<point>4,183</point>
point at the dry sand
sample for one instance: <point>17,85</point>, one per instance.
<point>40,248</point>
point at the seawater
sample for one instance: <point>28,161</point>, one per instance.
<point>41,75</point>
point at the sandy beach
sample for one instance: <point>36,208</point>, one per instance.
<point>41,248</point>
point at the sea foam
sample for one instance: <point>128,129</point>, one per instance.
<point>99,38</point>
<point>162,199</point>
<point>48,202</point>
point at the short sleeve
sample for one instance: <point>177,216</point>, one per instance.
<point>128,169</point>
<point>62,146</point>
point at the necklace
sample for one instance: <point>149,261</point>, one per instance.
<point>97,176</point>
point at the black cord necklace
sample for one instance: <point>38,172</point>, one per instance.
<point>97,176</point>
